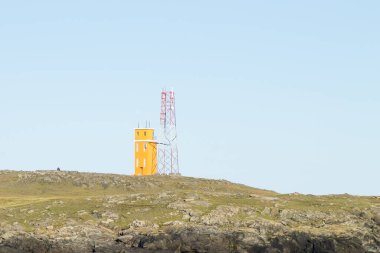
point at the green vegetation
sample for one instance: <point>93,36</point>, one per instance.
<point>39,200</point>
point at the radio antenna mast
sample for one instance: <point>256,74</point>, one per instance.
<point>168,150</point>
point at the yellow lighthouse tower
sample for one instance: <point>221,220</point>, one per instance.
<point>145,152</point>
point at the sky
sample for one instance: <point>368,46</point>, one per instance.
<point>280,95</point>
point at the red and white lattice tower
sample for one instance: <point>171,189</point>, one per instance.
<point>168,150</point>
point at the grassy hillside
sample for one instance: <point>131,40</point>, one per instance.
<point>45,200</point>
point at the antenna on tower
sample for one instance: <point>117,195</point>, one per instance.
<point>168,152</point>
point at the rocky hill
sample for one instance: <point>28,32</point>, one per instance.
<point>57,211</point>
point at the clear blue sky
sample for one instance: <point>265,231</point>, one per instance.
<point>281,95</point>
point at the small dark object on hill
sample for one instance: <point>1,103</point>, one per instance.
<point>58,169</point>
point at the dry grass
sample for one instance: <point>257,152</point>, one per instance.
<point>35,200</point>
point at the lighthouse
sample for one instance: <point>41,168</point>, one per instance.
<point>145,152</point>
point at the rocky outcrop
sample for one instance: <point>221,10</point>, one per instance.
<point>187,239</point>
<point>59,212</point>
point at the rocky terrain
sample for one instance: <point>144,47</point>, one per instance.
<point>57,211</point>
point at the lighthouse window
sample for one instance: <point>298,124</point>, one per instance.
<point>144,163</point>
<point>144,133</point>
<point>145,147</point>
<point>137,147</point>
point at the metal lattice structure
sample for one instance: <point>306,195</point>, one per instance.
<point>168,149</point>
